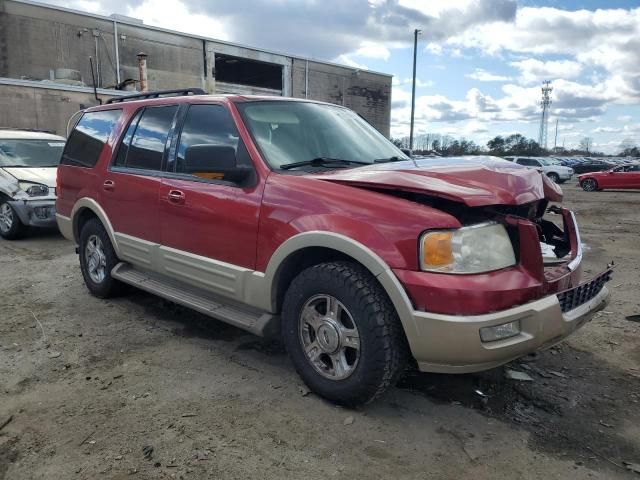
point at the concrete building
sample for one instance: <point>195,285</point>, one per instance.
<point>45,73</point>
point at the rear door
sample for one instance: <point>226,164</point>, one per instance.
<point>131,187</point>
<point>209,225</point>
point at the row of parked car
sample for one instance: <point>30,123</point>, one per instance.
<point>594,173</point>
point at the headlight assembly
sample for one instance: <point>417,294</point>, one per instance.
<point>474,249</point>
<point>34,189</point>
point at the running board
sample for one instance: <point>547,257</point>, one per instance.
<point>246,318</point>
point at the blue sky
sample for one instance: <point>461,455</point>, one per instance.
<point>480,62</point>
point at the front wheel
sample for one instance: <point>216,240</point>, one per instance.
<point>343,333</point>
<point>589,185</point>
<point>554,177</point>
<point>11,227</point>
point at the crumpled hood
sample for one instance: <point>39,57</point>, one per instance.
<point>474,181</point>
<point>45,176</point>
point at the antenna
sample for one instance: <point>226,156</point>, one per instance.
<point>93,77</point>
<point>545,103</point>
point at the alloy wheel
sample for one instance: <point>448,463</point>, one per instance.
<point>95,258</point>
<point>589,185</point>
<point>329,337</point>
<point>6,217</point>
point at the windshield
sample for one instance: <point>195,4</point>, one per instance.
<point>549,161</point>
<point>290,132</point>
<point>30,153</point>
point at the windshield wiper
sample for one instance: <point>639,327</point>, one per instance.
<point>320,162</point>
<point>389,159</point>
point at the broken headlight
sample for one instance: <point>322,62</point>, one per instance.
<point>34,189</point>
<point>474,249</point>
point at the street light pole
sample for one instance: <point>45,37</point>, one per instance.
<point>416,32</point>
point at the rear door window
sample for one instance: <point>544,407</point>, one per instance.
<point>144,144</point>
<point>89,137</point>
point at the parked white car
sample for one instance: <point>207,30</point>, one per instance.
<point>551,167</point>
<point>28,166</point>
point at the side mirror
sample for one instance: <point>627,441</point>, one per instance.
<point>217,160</point>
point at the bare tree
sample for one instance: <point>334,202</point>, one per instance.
<point>585,144</point>
<point>628,147</point>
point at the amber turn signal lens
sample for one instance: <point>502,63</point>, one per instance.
<point>437,250</point>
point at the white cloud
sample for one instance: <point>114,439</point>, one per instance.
<point>606,130</point>
<point>176,15</point>
<point>533,71</point>
<point>483,76</point>
<point>349,62</point>
<point>625,118</point>
<point>373,50</point>
<point>605,38</point>
<point>434,48</point>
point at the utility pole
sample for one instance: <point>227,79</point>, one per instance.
<point>555,141</point>
<point>416,32</point>
<point>545,103</point>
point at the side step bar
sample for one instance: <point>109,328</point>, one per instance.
<point>252,320</point>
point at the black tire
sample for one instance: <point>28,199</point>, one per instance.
<point>108,286</point>
<point>554,177</point>
<point>383,349</point>
<point>17,229</point>
<point>589,185</point>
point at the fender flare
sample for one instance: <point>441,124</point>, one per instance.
<point>353,249</point>
<point>95,207</point>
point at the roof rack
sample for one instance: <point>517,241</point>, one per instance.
<point>158,94</point>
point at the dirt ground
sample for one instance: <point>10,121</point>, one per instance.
<point>89,386</point>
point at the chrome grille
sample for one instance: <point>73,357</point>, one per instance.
<point>573,298</point>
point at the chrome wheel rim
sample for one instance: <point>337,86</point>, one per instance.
<point>95,259</point>
<point>329,337</point>
<point>589,185</point>
<point>6,217</point>
<point>554,178</point>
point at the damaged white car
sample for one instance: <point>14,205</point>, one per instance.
<point>28,166</point>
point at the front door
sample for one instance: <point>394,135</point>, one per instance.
<point>631,177</point>
<point>131,187</point>
<point>209,226</point>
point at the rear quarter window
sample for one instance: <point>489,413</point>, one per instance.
<point>89,137</point>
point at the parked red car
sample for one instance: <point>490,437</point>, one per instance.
<point>626,176</point>
<point>293,216</point>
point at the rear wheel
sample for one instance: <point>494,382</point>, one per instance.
<point>11,227</point>
<point>342,333</point>
<point>554,177</point>
<point>97,259</point>
<point>589,185</point>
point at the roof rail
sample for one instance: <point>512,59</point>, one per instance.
<point>158,94</point>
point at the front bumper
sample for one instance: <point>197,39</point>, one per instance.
<point>565,175</point>
<point>452,344</point>
<point>36,213</point>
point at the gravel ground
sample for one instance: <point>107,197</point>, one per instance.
<point>137,386</point>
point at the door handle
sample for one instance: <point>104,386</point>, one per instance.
<point>176,196</point>
<point>109,185</point>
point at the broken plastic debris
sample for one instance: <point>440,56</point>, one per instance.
<point>519,376</point>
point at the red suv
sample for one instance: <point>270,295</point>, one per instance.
<point>298,217</point>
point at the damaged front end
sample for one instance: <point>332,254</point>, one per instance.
<point>32,203</point>
<point>548,250</point>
